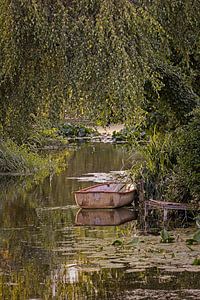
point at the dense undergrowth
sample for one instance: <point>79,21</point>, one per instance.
<point>18,159</point>
<point>69,130</point>
<point>44,134</point>
<point>28,158</point>
<point>168,162</point>
<point>22,160</point>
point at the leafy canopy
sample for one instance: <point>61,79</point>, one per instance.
<point>89,56</point>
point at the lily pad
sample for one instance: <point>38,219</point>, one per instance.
<point>195,239</point>
<point>135,241</point>
<point>117,243</point>
<point>196,262</point>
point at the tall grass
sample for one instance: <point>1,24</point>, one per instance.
<point>11,158</point>
<point>155,162</point>
<point>21,160</point>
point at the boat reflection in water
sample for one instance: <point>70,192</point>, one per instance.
<point>104,217</point>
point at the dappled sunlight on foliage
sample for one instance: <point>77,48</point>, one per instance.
<point>73,55</point>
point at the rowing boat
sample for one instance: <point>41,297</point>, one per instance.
<point>106,195</point>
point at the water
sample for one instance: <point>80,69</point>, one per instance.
<point>50,249</point>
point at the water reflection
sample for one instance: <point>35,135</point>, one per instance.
<point>104,217</point>
<point>43,255</point>
<point>87,158</point>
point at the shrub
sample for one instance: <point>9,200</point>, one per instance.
<point>44,134</point>
<point>75,130</point>
<point>154,163</point>
<point>129,134</point>
<point>184,182</point>
<point>20,159</point>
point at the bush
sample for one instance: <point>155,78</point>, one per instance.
<point>154,163</point>
<point>184,183</point>
<point>73,131</point>
<point>169,163</point>
<point>11,159</point>
<point>20,159</point>
<point>44,134</point>
<point>129,134</point>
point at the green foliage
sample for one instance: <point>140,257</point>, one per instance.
<point>93,57</point>
<point>15,159</point>
<point>195,239</point>
<point>188,154</point>
<point>169,162</point>
<point>169,108</point>
<point>122,135</point>
<point>166,237</point>
<point>196,262</point>
<point>45,135</point>
<point>11,159</point>
<point>85,56</point>
<point>184,181</point>
<point>117,243</point>
<point>76,130</point>
<point>155,158</point>
<point>184,45</point>
<point>129,134</point>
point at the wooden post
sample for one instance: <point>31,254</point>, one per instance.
<point>143,208</point>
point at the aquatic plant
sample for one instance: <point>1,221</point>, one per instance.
<point>196,262</point>
<point>195,239</point>
<point>166,237</point>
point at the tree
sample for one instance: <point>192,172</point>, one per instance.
<point>85,53</point>
<point>90,56</point>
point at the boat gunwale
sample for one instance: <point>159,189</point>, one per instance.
<point>87,190</point>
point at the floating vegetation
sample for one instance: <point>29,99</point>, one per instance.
<point>195,239</point>
<point>117,243</point>
<point>166,237</point>
<point>135,241</point>
<point>76,130</point>
<point>196,262</point>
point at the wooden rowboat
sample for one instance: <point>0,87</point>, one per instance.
<point>106,195</point>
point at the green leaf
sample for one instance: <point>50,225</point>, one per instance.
<point>195,239</point>
<point>135,241</point>
<point>196,236</point>
<point>191,242</point>
<point>166,237</point>
<point>117,243</point>
<point>196,262</point>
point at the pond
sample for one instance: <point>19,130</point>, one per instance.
<point>50,249</point>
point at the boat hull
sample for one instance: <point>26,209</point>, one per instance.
<point>104,196</point>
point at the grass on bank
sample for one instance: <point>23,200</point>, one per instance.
<point>21,160</point>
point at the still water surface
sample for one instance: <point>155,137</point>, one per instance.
<point>50,249</point>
